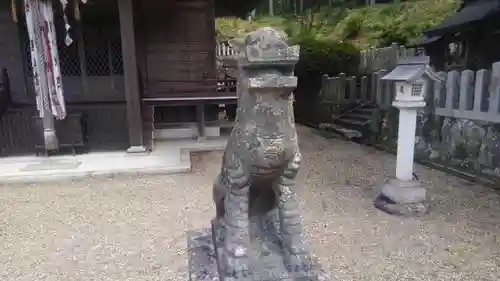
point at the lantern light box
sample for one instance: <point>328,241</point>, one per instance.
<point>411,78</point>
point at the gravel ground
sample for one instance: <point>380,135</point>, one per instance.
<point>134,228</point>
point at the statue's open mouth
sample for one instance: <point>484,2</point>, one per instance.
<point>273,82</point>
<point>264,170</point>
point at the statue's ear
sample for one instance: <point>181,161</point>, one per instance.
<point>238,44</point>
<point>282,34</point>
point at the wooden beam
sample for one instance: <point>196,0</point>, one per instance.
<point>132,94</point>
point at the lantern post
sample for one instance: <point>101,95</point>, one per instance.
<point>403,195</point>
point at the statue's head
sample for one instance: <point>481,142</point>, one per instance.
<point>265,45</point>
<point>266,64</point>
<point>264,38</point>
<point>267,38</point>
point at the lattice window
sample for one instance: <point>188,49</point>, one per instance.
<point>416,90</point>
<point>102,50</point>
<point>96,51</point>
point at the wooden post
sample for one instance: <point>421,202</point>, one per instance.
<point>131,76</point>
<point>200,112</point>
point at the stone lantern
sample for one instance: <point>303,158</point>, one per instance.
<point>403,195</point>
<point>411,78</point>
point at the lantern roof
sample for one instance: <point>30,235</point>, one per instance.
<point>412,68</point>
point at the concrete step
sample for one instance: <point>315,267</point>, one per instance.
<point>367,110</point>
<point>357,116</point>
<point>348,133</point>
<point>351,122</point>
<point>168,157</point>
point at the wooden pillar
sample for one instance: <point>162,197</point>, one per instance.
<point>200,116</point>
<point>131,77</point>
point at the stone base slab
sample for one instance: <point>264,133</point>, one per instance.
<point>403,198</point>
<point>266,259</point>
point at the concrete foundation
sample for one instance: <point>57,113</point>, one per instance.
<point>403,198</point>
<point>168,157</point>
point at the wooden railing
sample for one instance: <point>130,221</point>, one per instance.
<point>223,49</point>
<point>373,60</point>
<point>467,94</point>
<point>5,96</point>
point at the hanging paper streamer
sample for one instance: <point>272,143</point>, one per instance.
<point>35,54</point>
<point>68,40</point>
<point>77,11</point>
<point>54,79</point>
<point>45,58</point>
<point>13,8</point>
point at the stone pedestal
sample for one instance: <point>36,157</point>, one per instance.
<point>403,198</point>
<point>266,256</point>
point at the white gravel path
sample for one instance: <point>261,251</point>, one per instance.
<point>134,228</point>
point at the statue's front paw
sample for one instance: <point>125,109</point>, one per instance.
<point>299,263</point>
<point>297,248</point>
<point>236,268</point>
<point>294,244</point>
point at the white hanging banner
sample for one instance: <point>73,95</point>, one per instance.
<point>45,58</point>
<point>34,54</point>
<point>54,79</point>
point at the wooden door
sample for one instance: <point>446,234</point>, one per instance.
<point>177,44</point>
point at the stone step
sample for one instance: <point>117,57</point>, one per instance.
<point>360,116</point>
<point>345,120</point>
<point>366,109</point>
<point>348,133</point>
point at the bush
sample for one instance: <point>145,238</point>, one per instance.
<point>319,57</point>
<point>325,56</point>
<point>351,26</point>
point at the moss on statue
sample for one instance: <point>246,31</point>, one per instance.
<point>375,125</point>
<point>460,150</point>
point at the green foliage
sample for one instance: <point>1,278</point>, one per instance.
<point>380,25</point>
<point>367,26</point>
<point>314,23</point>
<point>352,27</point>
<point>229,27</point>
<point>320,56</point>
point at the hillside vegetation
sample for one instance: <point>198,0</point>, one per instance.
<point>377,25</point>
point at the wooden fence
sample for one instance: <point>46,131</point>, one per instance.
<point>372,60</point>
<point>223,49</point>
<point>466,94</point>
<point>457,131</point>
<point>344,89</point>
<point>469,95</point>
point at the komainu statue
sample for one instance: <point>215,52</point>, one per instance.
<point>255,190</point>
